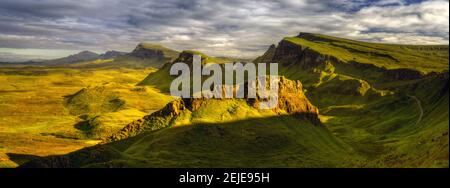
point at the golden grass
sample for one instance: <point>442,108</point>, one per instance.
<point>34,121</point>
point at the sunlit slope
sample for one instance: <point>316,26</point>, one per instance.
<point>425,58</point>
<point>36,119</point>
<point>106,108</point>
<point>219,133</point>
<point>161,79</point>
<point>393,112</point>
<point>380,108</point>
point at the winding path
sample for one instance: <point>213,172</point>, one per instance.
<point>420,108</point>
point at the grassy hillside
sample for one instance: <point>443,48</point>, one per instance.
<point>161,79</point>
<point>424,58</point>
<point>393,121</point>
<point>400,130</point>
<point>381,105</point>
<point>378,109</point>
<point>218,133</point>
<point>262,142</point>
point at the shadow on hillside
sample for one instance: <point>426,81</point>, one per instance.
<point>21,158</point>
<point>82,126</point>
<point>278,141</point>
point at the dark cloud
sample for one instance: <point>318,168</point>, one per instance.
<point>233,27</point>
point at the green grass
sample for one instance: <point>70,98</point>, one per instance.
<point>93,100</point>
<point>281,141</point>
<point>35,121</point>
<point>162,80</point>
<point>425,58</point>
<point>369,120</point>
<point>378,132</point>
<point>374,115</point>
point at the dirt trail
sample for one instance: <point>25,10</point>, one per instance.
<point>420,108</point>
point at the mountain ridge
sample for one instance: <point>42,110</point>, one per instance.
<point>378,108</point>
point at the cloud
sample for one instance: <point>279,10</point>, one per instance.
<point>232,28</point>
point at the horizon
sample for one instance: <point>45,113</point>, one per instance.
<point>240,29</point>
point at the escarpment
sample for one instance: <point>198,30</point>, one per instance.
<point>154,51</point>
<point>307,56</point>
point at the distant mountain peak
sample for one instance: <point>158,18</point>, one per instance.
<point>81,56</point>
<point>86,52</point>
<point>148,45</point>
<point>267,56</point>
<point>153,51</point>
<point>84,55</point>
<point>112,54</point>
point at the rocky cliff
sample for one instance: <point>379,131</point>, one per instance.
<point>291,100</point>
<point>306,57</point>
<point>153,51</point>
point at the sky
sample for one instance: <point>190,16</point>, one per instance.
<point>45,29</point>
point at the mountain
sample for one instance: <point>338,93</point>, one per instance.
<point>111,54</point>
<point>148,54</point>
<point>267,56</point>
<point>381,105</point>
<point>82,56</point>
<point>217,132</point>
<point>388,101</point>
<point>144,55</point>
<point>187,110</point>
<point>161,79</point>
<point>153,51</point>
<point>373,61</point>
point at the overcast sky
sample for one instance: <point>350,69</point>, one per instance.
<point>245,28</point>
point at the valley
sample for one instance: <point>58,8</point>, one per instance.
<point>36,121</point>
<point>342,103</point>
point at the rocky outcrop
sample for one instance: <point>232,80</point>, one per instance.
<point>142,52</point>
<point>153,51</point>
<point>291,100</point>
<point>186,56</point>
<point>154,121</point>
<point>288,53</point>
<point>267,57</point>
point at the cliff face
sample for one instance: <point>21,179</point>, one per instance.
<point>288,53</point>
<point>291,100</point>
<point>305,58</point>
<point>267,56</point>
<point>187,57</point>
<point>141,52</point>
